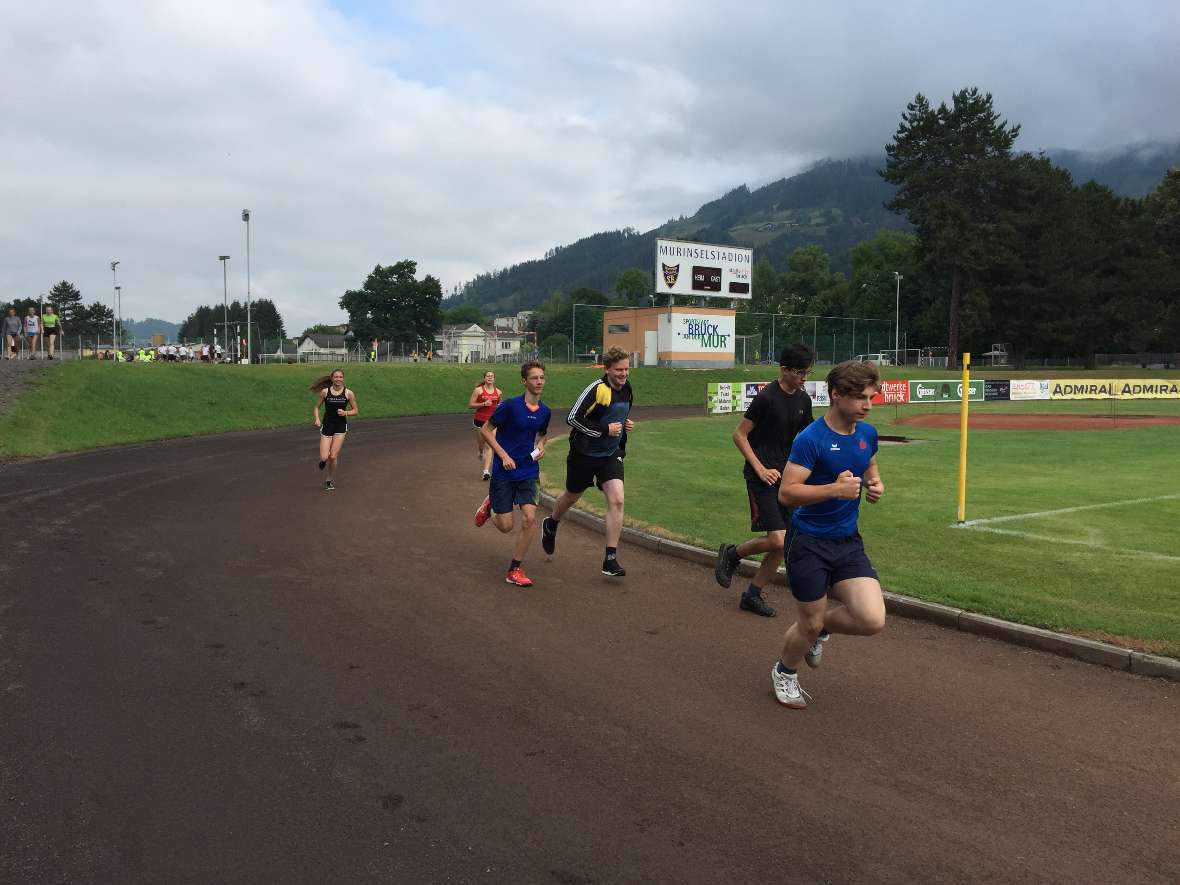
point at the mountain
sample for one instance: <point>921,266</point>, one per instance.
<point>144,329</point>
<point>834,204</point>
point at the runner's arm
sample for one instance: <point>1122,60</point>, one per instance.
<point>874,488</point>
<point>474,403</point>
<point>350,413</point>
<point>315,412</point>
<point>793,491</point>
<point>741,439</point>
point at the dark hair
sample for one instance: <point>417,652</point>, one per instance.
<point>851,377</point>
<point>614,355</point>
<point>528,367</point>
<point>324,380</point>
<point>797,356</point>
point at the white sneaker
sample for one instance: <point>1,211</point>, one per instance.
<point>788,690</point>
<point>816,652</point>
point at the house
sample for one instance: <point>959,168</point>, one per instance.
<point>517,323</point>
<point>316,348</point>
<point>471,343</point>
<point>286,352</point>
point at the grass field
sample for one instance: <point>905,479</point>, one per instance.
<point>1108,572</point>
<point>84,405</point>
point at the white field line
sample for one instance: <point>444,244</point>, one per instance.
<point>972,523</point>
<point>1148,554</point>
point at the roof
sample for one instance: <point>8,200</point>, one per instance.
<point>327,341</point>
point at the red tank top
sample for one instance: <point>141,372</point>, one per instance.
<point>489,400</point>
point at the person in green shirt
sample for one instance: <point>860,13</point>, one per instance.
<point>50,328</point>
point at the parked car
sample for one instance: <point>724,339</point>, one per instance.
<point>880,359</point>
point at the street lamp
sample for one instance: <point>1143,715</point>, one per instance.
<point>114,301</point>
<point>249,339</point>
<point>896,315</point>
<point>224,302</point>
<point>118,314</point>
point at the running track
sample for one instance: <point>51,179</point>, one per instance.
<point>212,671</point>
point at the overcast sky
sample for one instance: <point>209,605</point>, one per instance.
<point>473,135</point>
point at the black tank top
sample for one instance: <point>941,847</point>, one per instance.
<point>332,402</point>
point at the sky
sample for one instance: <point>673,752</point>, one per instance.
<point>469,136</point>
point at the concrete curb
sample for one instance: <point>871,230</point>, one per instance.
<point>1087,650</point>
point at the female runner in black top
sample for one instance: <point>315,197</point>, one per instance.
<point>339,405</point>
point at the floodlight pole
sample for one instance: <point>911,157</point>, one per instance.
<point>224,303</point>
<point>114,299</point>
<point>896,315</point>
<point>249,339</point>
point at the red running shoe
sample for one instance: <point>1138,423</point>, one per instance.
<point>484,512</point>
<point>519,578</point>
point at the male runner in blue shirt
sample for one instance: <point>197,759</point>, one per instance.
<point>830,462</point>
<point>517,432</point>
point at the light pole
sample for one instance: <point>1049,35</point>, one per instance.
<point>118,314</point>
<point>224,302</point>
<point>249,339</point>
<point>896,315</point>
<point>114,303</point>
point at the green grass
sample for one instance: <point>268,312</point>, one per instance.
<point>85,405</point>
<point>1119,583</point>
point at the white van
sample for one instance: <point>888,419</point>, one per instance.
<point>880,359</point>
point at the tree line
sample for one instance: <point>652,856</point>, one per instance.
<point>204,323</point>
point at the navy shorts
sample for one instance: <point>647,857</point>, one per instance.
<point>766,513</point>
<point>815,564</point>
<point>509,493</point>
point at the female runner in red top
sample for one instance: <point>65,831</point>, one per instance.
<point>484,400</point>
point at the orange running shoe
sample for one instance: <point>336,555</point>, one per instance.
<point>519,578</point>
<point>484,512</point>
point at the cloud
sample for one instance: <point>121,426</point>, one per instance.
<point>469,136</point>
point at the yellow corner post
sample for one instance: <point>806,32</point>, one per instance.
<point>965,397</point>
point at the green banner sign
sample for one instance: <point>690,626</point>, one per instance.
<point>945,391</point>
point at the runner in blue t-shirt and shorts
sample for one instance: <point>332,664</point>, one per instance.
<point>831,461</point>
<point>516,433</point>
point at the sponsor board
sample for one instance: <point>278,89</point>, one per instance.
<point>891,393</point>
<point>694,333</point>
<point>751,389</point>
<point>684,268</point>
<point>726,397</point>
<point>818,391</point>
<point>944,391</point>
<point>996,390</point>
<point>719,397</point>
<point>1027,389</point>
<point>1114,388</point>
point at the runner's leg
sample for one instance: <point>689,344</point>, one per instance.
<point>863,611</point>
<point>612,490</point>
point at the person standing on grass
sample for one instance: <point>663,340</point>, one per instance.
<point>600,419</point>
<point>830,463</point>
<point>339,405</point>
<point>484,399</point>
<point>516,433</point>
<point>764,437</point>
<point>32,330</point>
<point>12,333</point>
<point>50,326</point>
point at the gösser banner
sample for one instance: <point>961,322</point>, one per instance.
<point>944,391</point>
<point>1114,388</point>
<point>684,268</point>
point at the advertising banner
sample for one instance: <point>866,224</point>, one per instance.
<point>892,393</point>
<point>1026,389</point>
<point>818,391</point>
<point>1114,388</point>
<point>719,397</point>
<point>750,389</point>
<point>684,268</point>
<point>694,333</point>
<point>996,390</point>
<point>948,391</point>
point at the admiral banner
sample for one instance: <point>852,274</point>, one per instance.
<point>944,391</point>
<point>1114,388</point>
<point>684,268</point>
<point>1026,389</point>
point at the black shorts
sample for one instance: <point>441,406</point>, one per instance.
<point>582,471</point>
<point>814,564</point>
<point>479,423</point>
<point>51,333</point>
<point>327,429</point>
<point>766,513</point>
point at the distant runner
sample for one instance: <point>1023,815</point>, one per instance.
<point>484,400</point>
<point>339,405</point>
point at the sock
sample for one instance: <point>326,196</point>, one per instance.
<point>753,591</point>
<point>612,552</point>
<point>734,556</point>
<point>781,668</point>
<point>515,565</point>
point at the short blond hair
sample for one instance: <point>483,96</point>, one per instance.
<point>851,377</point>
<point>614,355</point>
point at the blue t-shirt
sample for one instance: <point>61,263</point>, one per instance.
<point>517,427</point>
<point>827,454</point>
